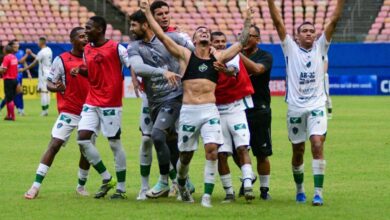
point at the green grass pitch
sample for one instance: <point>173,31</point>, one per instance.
<point>357,179</point>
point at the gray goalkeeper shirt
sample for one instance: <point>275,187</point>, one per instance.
<point>150,60</point>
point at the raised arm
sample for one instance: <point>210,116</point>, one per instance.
<point>277,19</point>
<point>331,26</point>
<point>233,50</point>
<point>173,48</point>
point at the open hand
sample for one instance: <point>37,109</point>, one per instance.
<point>172,78</point>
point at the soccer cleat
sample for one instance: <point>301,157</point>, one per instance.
<point>9,119</point>
<point>105,187</point>
<point>317,201</point>
<point>44,113</point>
<point>206,201</point>
<point>173,191</point>
<point>185,195</point>
<point>300,198</point>
<point>190,186</point>
<point>158,190</point>
<point>241,192</point>
<point>229,198</point>
<point>32,193</point>
<point>264,195</point>
<point>248,194</point>
<point>119,194</point>
<point>142,194</point>
<point>80,190</point>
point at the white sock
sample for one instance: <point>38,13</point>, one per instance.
<point>42,171</point>
<point>264,180</point>
<point>144,182</point>
<point>121,186</point>
<point>119,154</point>
<point>210,171</point>
<point>318,167</point>
<point>182,170</point>
<point>246,170</point>
<point>164,178</point>
<point>83,175</point>
<point>227,183</point>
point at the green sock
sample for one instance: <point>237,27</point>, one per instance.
<point>318,181</point>
<point>298,178</point>
<point>82,182</point>
<point>208,188</point>
<point>121,176</point>
<point>39,178</point>
<point>172,174</point>
<point>144,170</point>
<point>99,167</point>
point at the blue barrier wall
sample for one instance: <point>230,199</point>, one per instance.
<point>345,59</point>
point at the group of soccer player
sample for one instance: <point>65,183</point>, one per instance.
<point>190,88</point>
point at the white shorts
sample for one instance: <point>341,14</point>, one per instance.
<point>235,130</point>
<point>64,126</point>
<point>198,120</point>
<point>94,118</point>
<point>42,84</point>
<point>145,121</point>
<point>305,122</point>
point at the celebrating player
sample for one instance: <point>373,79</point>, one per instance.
<point>306,95</point>
<point>71,94</point>
<point>151,60</point>
<point>233,96</point>
<point>44,58</point>
<point>198,114</point>
<point>103,106</point>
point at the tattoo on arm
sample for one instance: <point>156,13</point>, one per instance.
<point>244,37</point>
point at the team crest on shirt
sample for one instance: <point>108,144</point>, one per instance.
<point>202,67</point>
<point>308,64</point>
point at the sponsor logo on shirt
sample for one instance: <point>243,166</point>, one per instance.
<point>202,67</point>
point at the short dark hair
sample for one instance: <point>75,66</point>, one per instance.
<point>138,16</point>
<point>12,42</point>
<point>257,29</point>
<point>73,32</point>
<point>304,23</point>
<point>100,22</point>
<point>8,49</point>
<point>43,39</point>
<point>158,4</point>
<point>217,33</point>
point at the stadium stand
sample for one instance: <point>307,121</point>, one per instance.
<point>380,29</point>
<point>227,15</point>
<point>27,20</point>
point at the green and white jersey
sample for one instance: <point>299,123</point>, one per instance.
<point>305,73</point>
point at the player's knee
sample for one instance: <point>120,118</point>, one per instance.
<point>158,137</point>
<point>242,150</point>
<point>222,157</point>
<point>211,151</point>
<point>185,157</point>
<point>262,159</point>
<point>146,140</point>
<point>84,135</point>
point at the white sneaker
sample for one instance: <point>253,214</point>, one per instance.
<point>206,201</point>
<point>159,190</point>
<point>80,190</point>
<point>142,194</point>
<point>44,113</point>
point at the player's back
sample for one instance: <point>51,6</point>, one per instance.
<point>104,75</point>
<point>44,57</point>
